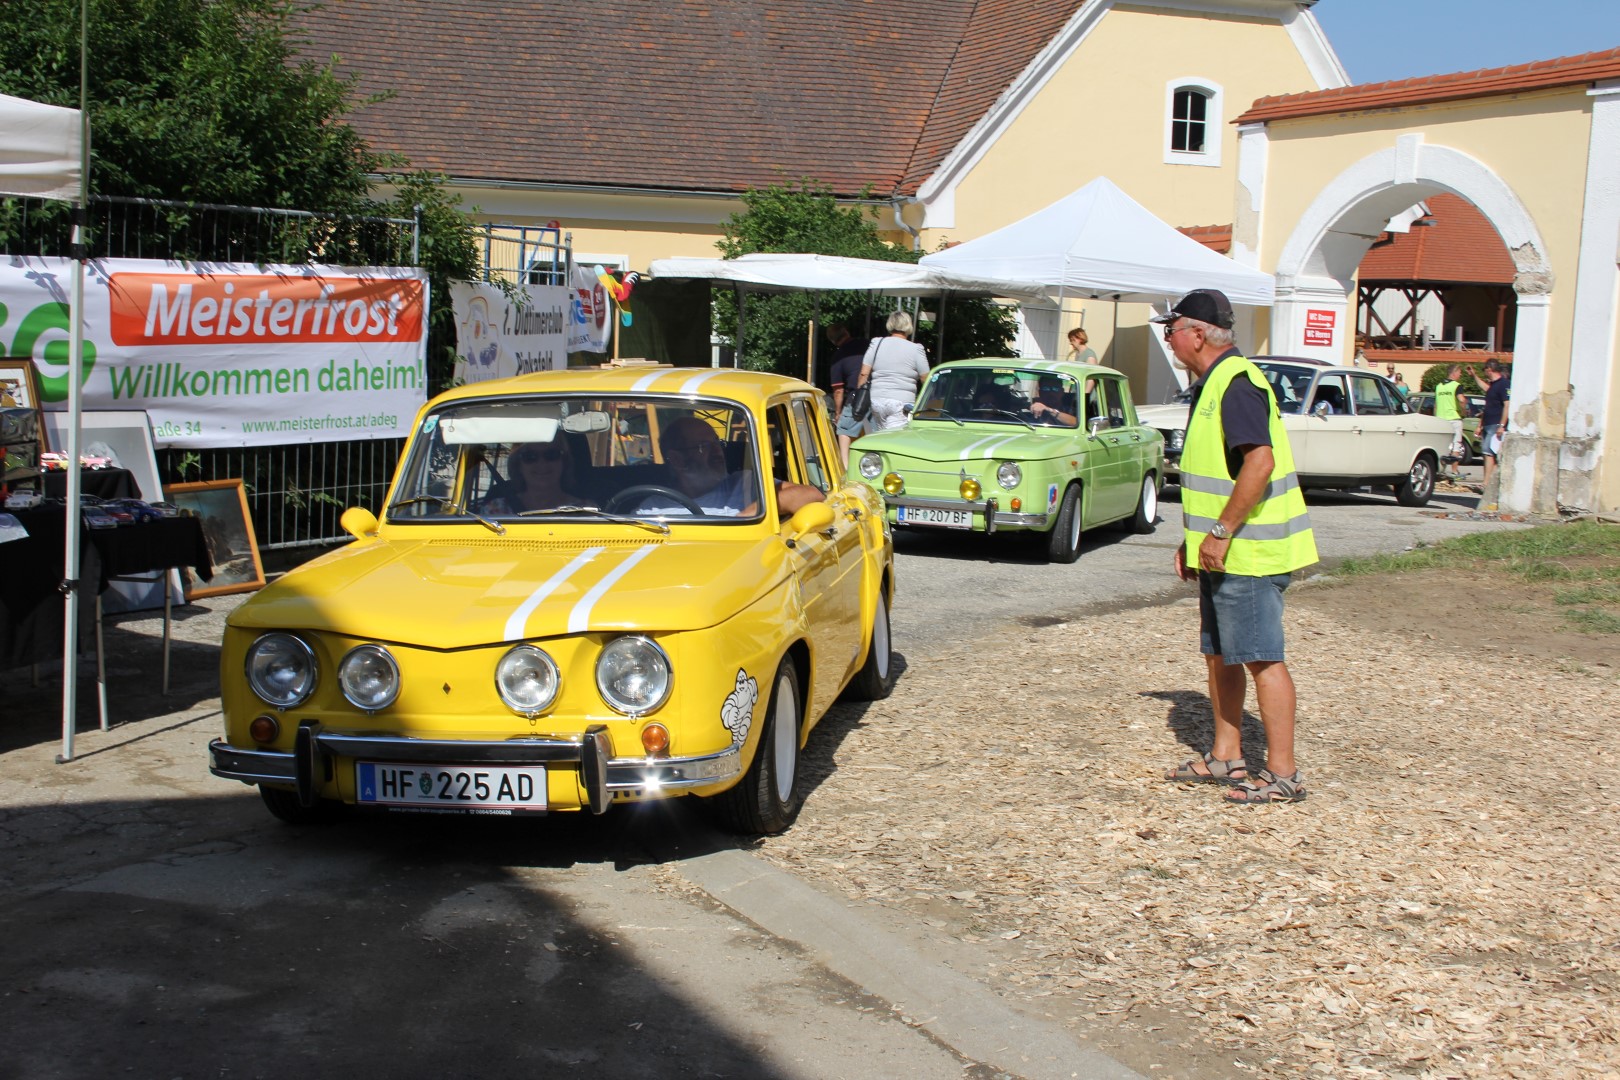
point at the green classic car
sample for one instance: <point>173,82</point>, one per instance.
<point>1014,445</point>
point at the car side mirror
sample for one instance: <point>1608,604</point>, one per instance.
<point>1096,424</point>
<point>810,518</point>
<point>359,523</point>
<point>1322,409</point>
<point>908,408</point>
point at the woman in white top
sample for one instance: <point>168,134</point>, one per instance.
<point>895,366</point>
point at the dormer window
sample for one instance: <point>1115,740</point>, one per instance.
<point>1193,122</point>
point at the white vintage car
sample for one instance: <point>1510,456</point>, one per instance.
<point>1348,427</point>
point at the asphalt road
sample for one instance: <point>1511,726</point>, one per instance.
<point>157,922</point>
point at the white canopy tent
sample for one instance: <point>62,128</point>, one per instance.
<point>44,153</point>
<point>1100,243</point>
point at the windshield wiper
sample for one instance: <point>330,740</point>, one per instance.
<point>931,413</point>
<point>596,512</point>
<point>1015,416</point>
<point>448,505</point>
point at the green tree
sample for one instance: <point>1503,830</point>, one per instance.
<point>806,218</point>
<point>207,101</point>
<point>1435,374</point>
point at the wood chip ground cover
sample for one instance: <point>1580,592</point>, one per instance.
<point>1445,904</point>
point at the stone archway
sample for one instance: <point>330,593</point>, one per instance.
<point>1317,268</point>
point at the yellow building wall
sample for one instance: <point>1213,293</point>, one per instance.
<point>1535,143</point>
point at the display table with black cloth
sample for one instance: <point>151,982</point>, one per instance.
<point>102,483</point>
<point>31,606</point>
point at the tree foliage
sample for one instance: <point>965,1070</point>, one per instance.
<point>806,218</point>
<point>1471,382</point>
<point>208,101</point>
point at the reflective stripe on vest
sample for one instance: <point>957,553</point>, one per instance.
<point>1276,537</point>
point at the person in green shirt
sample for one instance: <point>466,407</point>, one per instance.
<point>1445,408</point>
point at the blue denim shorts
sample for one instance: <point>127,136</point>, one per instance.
<point>848,425</point>
<point>1240,618</point>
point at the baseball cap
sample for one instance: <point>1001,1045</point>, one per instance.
<point>1206,305</point>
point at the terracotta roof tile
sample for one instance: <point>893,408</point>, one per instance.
<point>715,95</point>
<point>1215,237</point>
<point>1540,75</point>
<point>1461,247</point>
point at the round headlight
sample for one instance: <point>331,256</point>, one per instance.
<point>871,465</point>
<point>1009,475</point>
<point>281,670</point>
<point>527,680</point>
<point>369,677</point>
<point>969,488</point>
<point>633,674</point>
<point>893,484</point>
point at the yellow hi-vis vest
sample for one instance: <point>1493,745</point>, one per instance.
<point>1276,537</point>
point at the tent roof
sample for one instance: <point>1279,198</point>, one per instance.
<point>39,149</point>
<point>781,272</point>
<point>1099,242</point>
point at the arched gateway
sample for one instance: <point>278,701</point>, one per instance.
<point>1537,150</point>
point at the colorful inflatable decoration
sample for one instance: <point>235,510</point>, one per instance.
<point>619,289</point>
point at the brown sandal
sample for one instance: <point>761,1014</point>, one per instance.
<point>1220,772</point>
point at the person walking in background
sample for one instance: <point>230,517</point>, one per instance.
<point>1245,530</point>
<point>1400,385</point>
<point>1445,408</point>
<point>1493,419</point>
<point>897,366</point>
<point>846,372</point>
<point>1080,350</point>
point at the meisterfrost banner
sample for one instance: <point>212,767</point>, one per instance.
<point>229,354</point>
<point>497,336</point>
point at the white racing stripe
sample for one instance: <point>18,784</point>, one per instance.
<point>580,618</point>
<point>520,617</point>
<point>646,381</point>
<point>990,445</point>
<point>690,386</point>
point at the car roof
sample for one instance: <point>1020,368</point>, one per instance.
<point>1291,360</point>
<point>747,387</point>
<point>1030,363</point>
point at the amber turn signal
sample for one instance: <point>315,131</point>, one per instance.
<point>264,729</point>
<point>655,740</point>
<point>893,484</point>
<point>970,489</point>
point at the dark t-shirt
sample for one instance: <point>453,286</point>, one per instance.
<point>1245,413</point>
<point>1496,396</point>
<point>846,369</point>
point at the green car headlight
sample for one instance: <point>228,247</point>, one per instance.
<point>633,675</point>
<point>281,670</point>
<point>1009,475</point>
<point>527,680</point>
<point>871,466</point>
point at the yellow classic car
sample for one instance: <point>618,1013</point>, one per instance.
<point>586,587</point>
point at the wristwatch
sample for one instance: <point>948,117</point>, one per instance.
<point>1220,532</point>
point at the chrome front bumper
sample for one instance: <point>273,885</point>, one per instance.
<point>311,761</point>
<point>993,517</point>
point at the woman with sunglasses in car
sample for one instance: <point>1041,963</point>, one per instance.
<point>537,479</point>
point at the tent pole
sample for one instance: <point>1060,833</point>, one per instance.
<point>75,482</point>
<point>810,346</point>
<point>742,307</point>
<point>944,302</point>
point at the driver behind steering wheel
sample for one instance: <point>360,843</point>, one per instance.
<point>697,461</point>
<point>1055,403</point>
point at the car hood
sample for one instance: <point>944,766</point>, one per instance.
<point>1163,416</point>
<point>455,593</point>
<point>943,441</point>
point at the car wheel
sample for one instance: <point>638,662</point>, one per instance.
<point>766,800</point>
<point>1147,506</point>
<point>284,804</point>
<point>1063,543</point>
<point>1419,484</point>
<point>875,680</point>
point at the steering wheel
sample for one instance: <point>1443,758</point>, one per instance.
<point>640,493</point>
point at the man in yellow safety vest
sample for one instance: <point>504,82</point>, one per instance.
<point>1245,531</point>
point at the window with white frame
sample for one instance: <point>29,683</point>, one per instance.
<point>1192,134</point>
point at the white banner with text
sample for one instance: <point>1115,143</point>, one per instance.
<point>229,354</point>
<point>498,336</point>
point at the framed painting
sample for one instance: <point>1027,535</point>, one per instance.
<point>19,388</point>
<point>222,507</point>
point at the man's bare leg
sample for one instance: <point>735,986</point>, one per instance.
<point>1275,689</point>
<point>1227,688</point>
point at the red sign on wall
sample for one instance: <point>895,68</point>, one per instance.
<point>1319,326</point>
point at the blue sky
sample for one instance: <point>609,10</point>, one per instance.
<point>1399,39</point>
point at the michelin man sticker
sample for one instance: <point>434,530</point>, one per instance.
<point>738,711</point>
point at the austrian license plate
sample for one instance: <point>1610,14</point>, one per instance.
<point>477,789</point>
<point>927,515</point>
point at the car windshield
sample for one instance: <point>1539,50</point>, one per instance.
<point>1289,384</point>
<point>574,458</point>
<point>1000,395</point>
